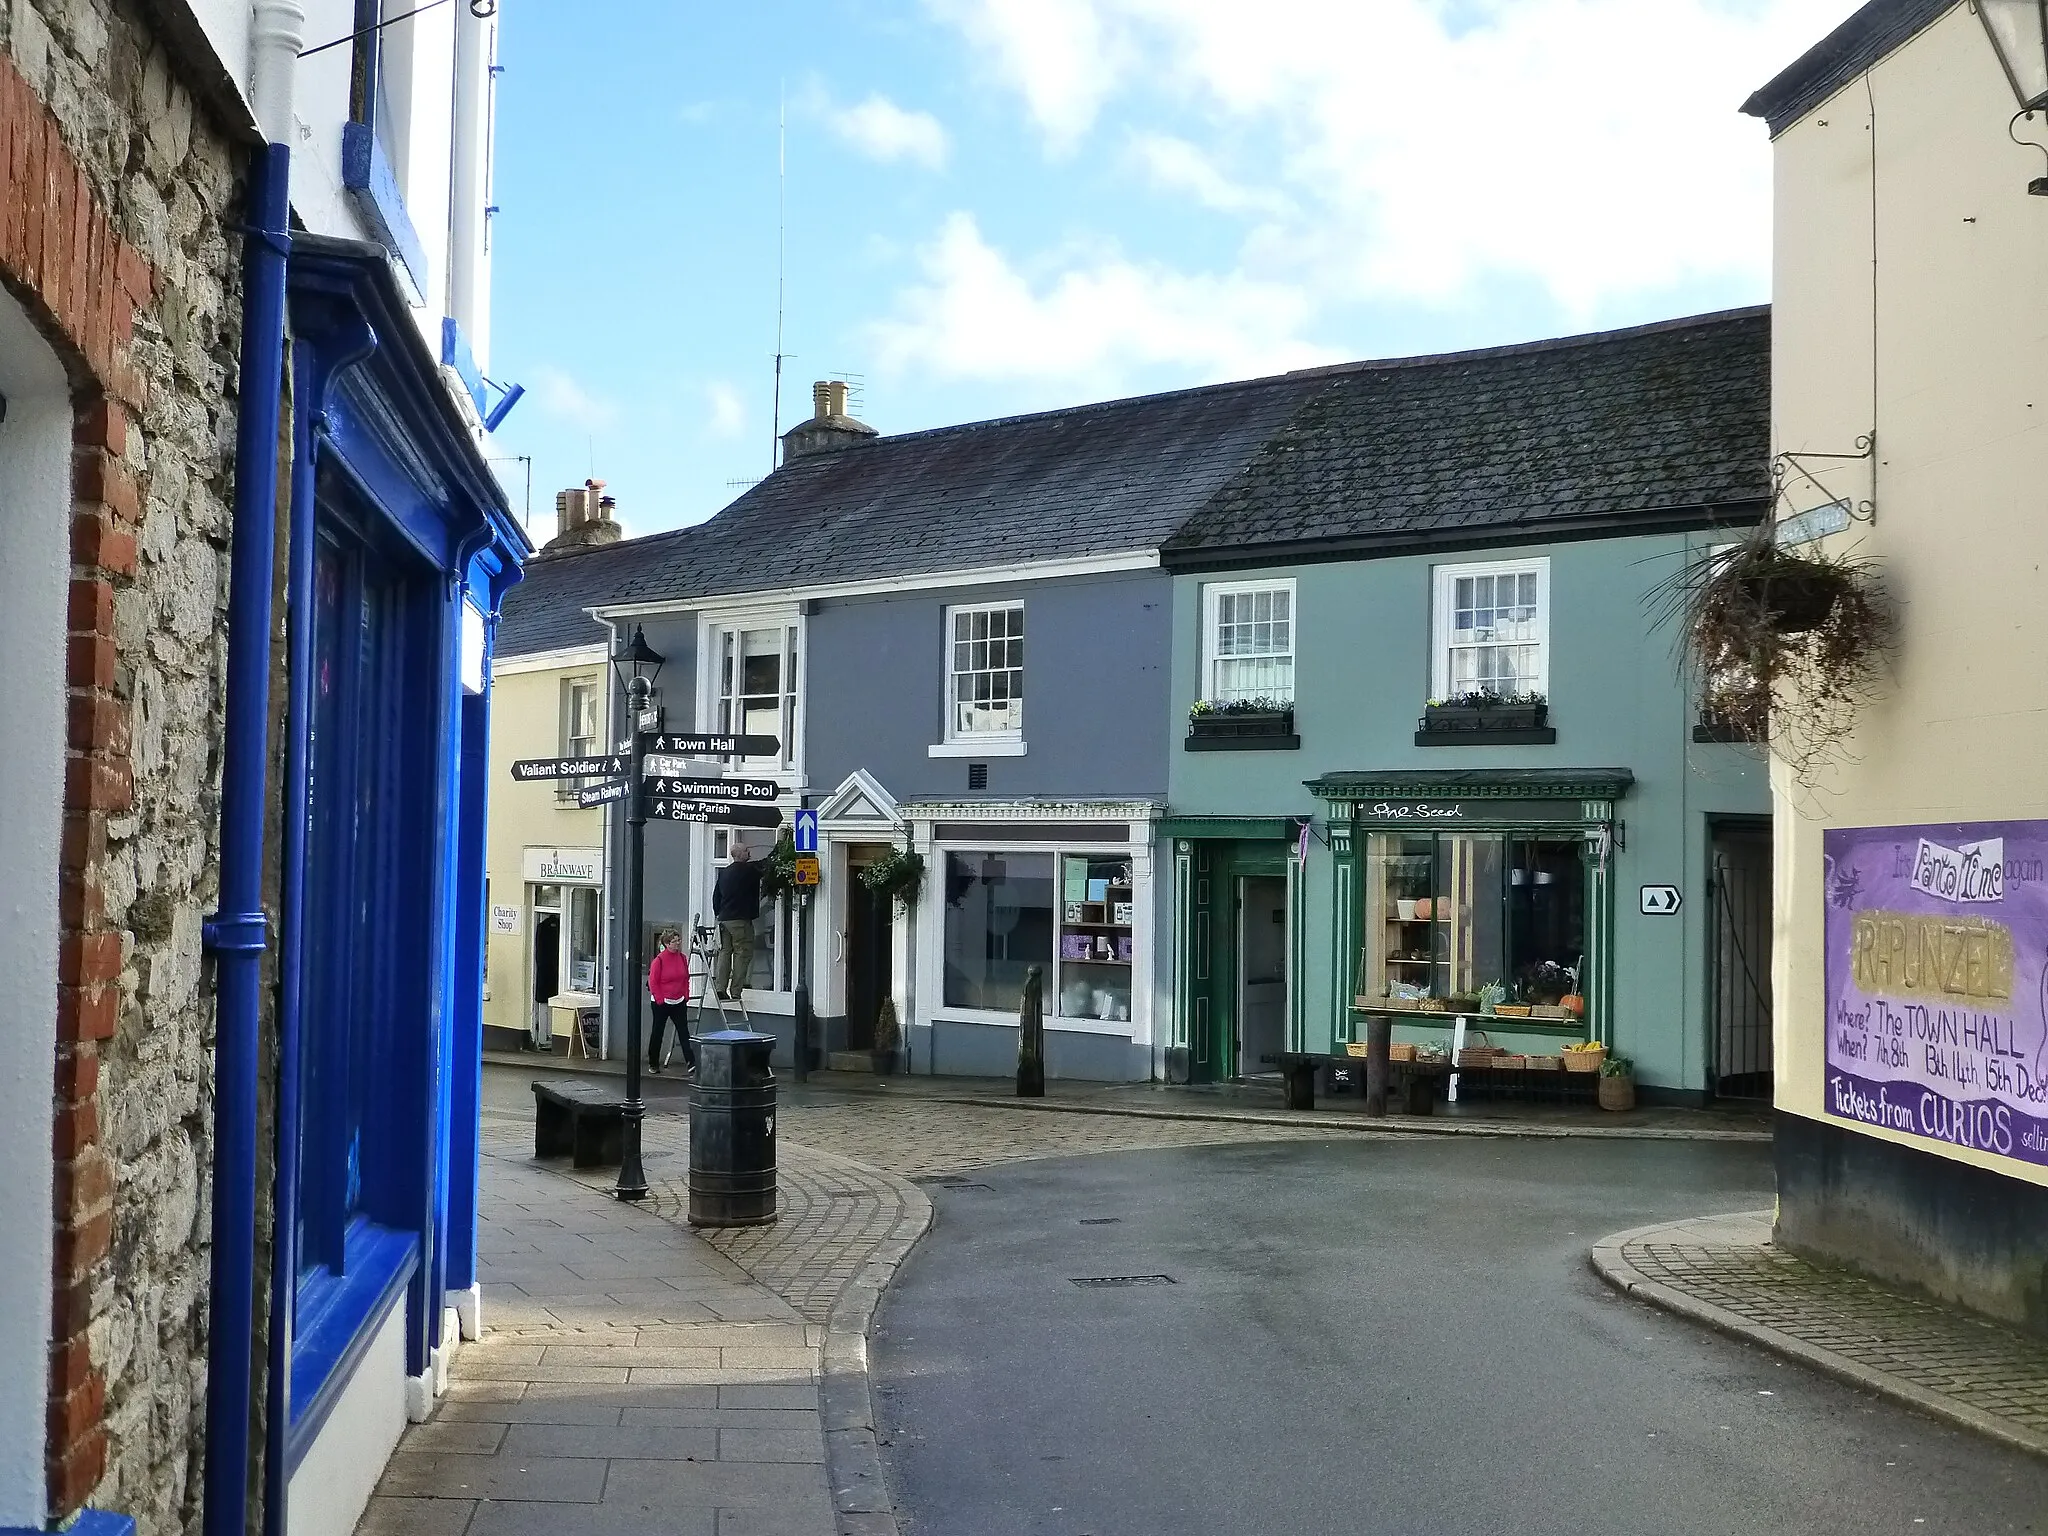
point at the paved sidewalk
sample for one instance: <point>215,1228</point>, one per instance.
<point>1725,1272</point>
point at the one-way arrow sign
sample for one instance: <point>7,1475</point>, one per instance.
<point>754,791</point>
<point>566,767</point>
<point>1661,900</point>
<point>599,794</point>
<point>708,746</point>
<point>718,811</point>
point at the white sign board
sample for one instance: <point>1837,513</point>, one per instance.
<point>504,919</point>
<point>565,866</point>
<point>1661,900</point>
<point>473,635</point>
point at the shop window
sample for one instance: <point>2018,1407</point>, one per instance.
<point>579,941</point>
<point>772,968</point>
<point>1097,904</point>
<point>985,673</point>
<point>1491,625</point>
<point>757,688</point>
<point>1248,643</point>
<point>999,923</point>
<point>1446,915</point>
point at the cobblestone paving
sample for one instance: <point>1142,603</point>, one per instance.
<point>1997,1371</point>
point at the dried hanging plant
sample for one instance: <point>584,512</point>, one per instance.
<point>1785,645</point>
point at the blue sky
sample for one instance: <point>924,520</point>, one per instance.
<point>1006,205</point>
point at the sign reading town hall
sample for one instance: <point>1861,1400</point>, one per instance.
<point>1937,961</point>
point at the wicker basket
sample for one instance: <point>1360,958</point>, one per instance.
<point>1476,1056</point>
<point>1354,1048</point>
<point>1512,1010</point>
<point>1546,1063</point>
<point>1548,1011</point>
<point>1400,1051</point>
<point>1511,1063</point>
<point>1585,1061</point>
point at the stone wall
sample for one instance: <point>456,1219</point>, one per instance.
<point>117,186</point>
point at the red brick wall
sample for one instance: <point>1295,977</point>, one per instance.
<point>60,253</point>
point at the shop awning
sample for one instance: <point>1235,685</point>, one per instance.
<point>1476,784</point>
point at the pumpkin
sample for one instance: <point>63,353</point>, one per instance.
<point>1573,1004</point>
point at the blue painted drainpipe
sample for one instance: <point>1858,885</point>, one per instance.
<point>239,933</point>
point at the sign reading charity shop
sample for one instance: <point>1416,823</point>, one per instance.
<point>1937,983</point>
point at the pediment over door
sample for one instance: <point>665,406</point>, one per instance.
<point>860,807</point>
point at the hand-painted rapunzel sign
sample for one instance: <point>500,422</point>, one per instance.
<point>1937,983</point>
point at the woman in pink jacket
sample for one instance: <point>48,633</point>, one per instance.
<point>668,988</point>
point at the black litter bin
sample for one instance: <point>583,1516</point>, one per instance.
<point>732,1131</point>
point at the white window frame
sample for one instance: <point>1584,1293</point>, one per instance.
<point>715,848</point>
<point>712,630</point>
<point>594,744</point>
<point>1442,589</point>
<point>1213,594</point>
<point>958,743</point>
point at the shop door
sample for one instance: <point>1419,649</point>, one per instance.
<point>544,945</point>
<point>1261,973</point>
<point>869,943</point>
<point>1739,960</point>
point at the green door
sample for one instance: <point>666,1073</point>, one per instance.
<point>1230,885</point>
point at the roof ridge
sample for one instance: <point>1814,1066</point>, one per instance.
<point>1545,344</point>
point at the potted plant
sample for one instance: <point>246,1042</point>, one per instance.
<point>1483,709</point>
<point>1617,1083</point>
<point>1547,983</point>
<point>1786,645</point>
<point>899,875</point>
<point>886,1055</point>
<point>1233,719</point>
<point>778,870</point>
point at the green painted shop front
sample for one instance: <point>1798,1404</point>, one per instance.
<point>1237,937</point>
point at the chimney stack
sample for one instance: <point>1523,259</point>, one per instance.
<point>583,519</point>
<point>829,428</point>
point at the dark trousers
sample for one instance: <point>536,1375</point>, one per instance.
<point>679,1015</point>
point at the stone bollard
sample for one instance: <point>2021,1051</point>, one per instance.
<point>1031,1037</point>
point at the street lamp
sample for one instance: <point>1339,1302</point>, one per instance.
<point>2018,30</point>
<point>640,657</point>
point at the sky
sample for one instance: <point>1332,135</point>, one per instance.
<point>999,206</point>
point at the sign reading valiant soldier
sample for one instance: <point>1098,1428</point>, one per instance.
<point>723,813</point>
<point>567,767</point>
<point>673,744</point>
<point>1937,983</point>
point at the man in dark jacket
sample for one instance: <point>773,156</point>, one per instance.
<point>736,903</point>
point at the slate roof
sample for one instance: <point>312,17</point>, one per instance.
<point>550,609</point>
<point>1854,46</point>
<point>1659,425</point>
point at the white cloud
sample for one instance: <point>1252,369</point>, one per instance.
<point>561,397</point>
<point>728,416</point>
<point>1087,323</point>
<point>1588,148</point>
<point>881,130</point>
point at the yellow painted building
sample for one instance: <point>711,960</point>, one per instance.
<point>545,855</point>
<point>1910,362</point>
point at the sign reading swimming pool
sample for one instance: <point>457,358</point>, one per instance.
<point>1937,983</point>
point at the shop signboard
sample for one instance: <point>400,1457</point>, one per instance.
<point>723,813</point>
<point>1427,813</point>
<point>1937,976</point>
<point>504,919</point>
<point>564,866</point>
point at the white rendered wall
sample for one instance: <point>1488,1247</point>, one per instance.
<point>35,506</point>
<point>332,1486</point>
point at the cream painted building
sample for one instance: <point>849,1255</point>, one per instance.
<point>544,854</point>
<point>1910,299</point>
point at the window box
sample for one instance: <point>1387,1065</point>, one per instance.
<point>1243,730</point>
<point>1486,722</point>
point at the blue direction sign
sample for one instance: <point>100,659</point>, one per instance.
<point>806,831</point>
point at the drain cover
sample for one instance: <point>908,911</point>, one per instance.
<point>1100,1221</point>
<point>1105,1282</point>
<point>954,1184</point>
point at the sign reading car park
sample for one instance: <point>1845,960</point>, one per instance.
<point>757,791</point>
<point>1661,900</point>
<point>723,813</point>
<point>674,744</point>
<point>566,767</point>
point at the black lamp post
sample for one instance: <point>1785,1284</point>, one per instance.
<point>640,656</point>
<point>2019,36</point>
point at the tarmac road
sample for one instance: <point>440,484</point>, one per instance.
<point>1384,1337</point>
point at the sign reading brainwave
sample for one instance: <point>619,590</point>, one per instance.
<point>1937,983</point>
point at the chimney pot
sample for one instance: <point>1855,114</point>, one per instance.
<point>821,400</point>
<point>835,397</point>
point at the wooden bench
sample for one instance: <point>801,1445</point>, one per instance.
<point>1411,1085</point>
<point>585,1122</point>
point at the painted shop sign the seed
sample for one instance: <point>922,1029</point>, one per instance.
<point>1937,983</point>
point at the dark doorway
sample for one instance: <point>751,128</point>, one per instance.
<point>547,971</point>
<point>870,921</point>
<point>1261,973</point>
<point>1739,959</point>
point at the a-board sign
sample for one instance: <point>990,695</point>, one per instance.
<point>807,871</point>
<point>600,794</point>
<point>739,791</point>
<point>683,745</point>
<point>718,811</point>
<point>1660,900</point>
<point>566,767</point>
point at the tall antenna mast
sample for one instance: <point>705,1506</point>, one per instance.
<point>781,224</point>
